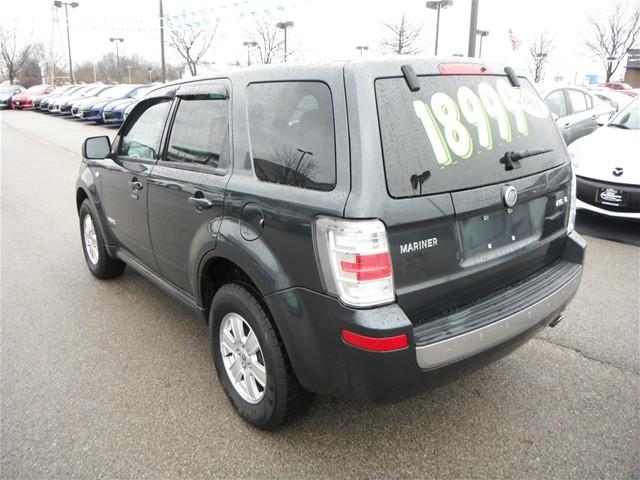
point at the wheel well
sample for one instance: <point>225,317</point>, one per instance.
<point>219,271</point>
<point>81,196</point>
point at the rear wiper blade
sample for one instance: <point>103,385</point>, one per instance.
<point>618,125</point>
<point>510,157</point>
<point>417,179</point>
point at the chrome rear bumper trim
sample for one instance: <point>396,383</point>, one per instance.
<point>458,348</point>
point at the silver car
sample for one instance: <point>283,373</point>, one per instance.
<point>577,111</point>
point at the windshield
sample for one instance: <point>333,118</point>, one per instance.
<point>454,133</point>
<point>91,91</point>
<point>8,89</point>
<point>141,92</point>
<point>37,89</point>
<point>118,91</point>
<point>628,118</point>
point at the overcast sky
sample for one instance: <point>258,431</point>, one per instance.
<point>324,29</point>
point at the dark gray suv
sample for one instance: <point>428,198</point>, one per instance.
<point>373,228</point>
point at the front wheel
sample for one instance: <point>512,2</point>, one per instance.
<point>98,260</point>
<point>251,361</point>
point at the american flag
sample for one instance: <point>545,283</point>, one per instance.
<point>515,41</point>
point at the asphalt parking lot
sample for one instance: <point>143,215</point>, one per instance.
<point>114,379</point>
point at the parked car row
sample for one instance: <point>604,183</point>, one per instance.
<point>93,102</point>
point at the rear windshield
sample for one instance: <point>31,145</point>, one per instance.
<point>454,131</point>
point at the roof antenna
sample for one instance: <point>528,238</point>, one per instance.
<point>411,77</point>
<point>513,78</point>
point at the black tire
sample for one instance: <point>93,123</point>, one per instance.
<point>105,267</point>
<point>283,396</point>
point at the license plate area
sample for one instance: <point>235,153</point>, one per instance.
<point>614,197</point>
<point>502,231</point>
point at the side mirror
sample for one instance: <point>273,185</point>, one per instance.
<point>96,148</point>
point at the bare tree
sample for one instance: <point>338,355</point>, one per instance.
<point>265,34</point>
<point>539,51</point>
<point>402,37</point>
<point>610,36</point>
<point>12,54</point>
<point>192,43</point>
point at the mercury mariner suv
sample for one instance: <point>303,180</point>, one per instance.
<point>373,228</point>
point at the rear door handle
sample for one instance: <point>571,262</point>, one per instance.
<point>135,184</point>
<point>200,202</point>
<point>594,116</point>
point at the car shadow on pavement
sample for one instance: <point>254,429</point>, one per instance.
<point>608,228</point>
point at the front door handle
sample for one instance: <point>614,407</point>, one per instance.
<point>135,184</point>
<point>566,125</point>
<point>200,202</point>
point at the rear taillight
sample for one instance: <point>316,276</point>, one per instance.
<point>354,260</point>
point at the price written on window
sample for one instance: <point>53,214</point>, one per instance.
<point>442,118</point>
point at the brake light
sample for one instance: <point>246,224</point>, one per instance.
<point>369,267</point>
<point>375,344</point>
<point>354,260</point>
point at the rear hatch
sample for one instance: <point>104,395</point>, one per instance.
<point>478,183</point>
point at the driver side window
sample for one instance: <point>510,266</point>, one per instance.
<point>142,139</point>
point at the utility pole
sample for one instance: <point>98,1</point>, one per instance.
<point>150,70</point>
<point>249,45</point>
<point>59,4</point>
<point>473,26</point>
<point>284,26</point>
<point>362,48</point>
<point>117,40</point>
<point>129,72</point>
<point>164,70</point>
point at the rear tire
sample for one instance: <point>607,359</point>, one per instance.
<point>100,264</point>
<point>271,398</point>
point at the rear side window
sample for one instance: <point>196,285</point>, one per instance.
<point>578,101</point>
<point>454,133</point>
<point>200,133</point>
<point>292,134</point>
<point>556,103</point>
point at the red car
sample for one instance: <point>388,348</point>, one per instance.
<point>621,87</point>
<point>25,99</point>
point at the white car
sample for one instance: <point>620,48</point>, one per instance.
<point>607,166</point>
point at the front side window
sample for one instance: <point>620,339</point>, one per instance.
<point>556,103</point>
<point>200,133</point>
<point>142,139</point>
<point>292,134</point>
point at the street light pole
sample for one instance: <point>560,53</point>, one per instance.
<point>362,48</point>
<point>150,70</point>
<point>117,40</point>
<point>437,5</point>
<point>164,70</point>
<point>249,45</point>
<point>59,4</point>
<point>473,26</point>
<point>482,33</point>
<point>129,72</point>
<point>284,26</point>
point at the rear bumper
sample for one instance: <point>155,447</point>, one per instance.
<point>311,323</point>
